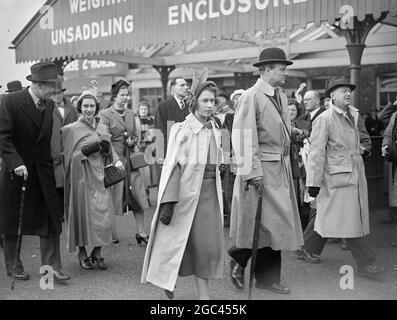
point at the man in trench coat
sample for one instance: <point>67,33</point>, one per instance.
<point>64,114</point>
<point>25,136</point>
<point>336,177</point>
<point>262,123</point>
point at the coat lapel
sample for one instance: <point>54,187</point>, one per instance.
<point>30,108</point>
<point>46,123</point>
<point>118,118</point>
<point>58,114</point>
<point>175,109</point>
<point>130,121</point>
<point>67,112</point>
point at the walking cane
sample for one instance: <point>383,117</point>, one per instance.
<point>18,247</point>
<point>255,245</point>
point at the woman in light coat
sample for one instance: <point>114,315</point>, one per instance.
<point>120,123</point>
<point>187,232</point>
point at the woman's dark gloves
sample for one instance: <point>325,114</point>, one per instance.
<point>90,149</point>
<point>105,146</point>
<point>166,212</point>
<point>313,191</point>
<point>258,184</point>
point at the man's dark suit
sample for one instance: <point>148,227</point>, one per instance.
<point>25,136</point>
<point>169,111</point>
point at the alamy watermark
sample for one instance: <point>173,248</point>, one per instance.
<point>47,278</point>
<point>347,280</point>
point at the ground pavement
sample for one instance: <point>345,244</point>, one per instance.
<point>122,279</point>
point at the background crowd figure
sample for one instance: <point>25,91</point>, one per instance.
<point>62,149</point>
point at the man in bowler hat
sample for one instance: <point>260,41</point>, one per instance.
<point>25,135</point>
<point>14,86</point>
<point>264,170</point>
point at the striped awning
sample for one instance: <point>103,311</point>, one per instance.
<point>89,28</point>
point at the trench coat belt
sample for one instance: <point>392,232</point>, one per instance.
<point>344,153</point>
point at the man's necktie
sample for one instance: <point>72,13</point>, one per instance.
<point>308,117</point>
<point>183,105</point>
<point>41,106</point>
<point>350,116</point>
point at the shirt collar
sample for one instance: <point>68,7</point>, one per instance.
<point>34,97</point>
<point>195,123</point>
<point>180,101</point>
<point>313,113</point>
<point>265,87</point>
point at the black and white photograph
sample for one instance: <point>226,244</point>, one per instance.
<point>198,155</point>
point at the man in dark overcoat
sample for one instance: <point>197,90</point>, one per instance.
<point>64,114</point>
<point>173,109</point>
<point>25,135</point>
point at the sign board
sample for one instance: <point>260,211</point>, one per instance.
<point>82,28</point>
<point>88,68</point>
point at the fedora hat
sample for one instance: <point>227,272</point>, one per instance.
<point>43,72</point>
<point>337,83</point>
<point>272,55</point>
<point>14,86</point>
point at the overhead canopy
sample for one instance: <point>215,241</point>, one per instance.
<point>94,28</point>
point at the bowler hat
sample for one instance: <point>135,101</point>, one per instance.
<point>272,55</point>
<point>43,72</point>
<point>337,83</point>
<point>14,86</point>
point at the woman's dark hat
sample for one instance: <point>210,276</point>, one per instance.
<point>118,85</point>
<point>43,72</point>
<point>337,83</point>
<point>14,86</point>
<point>272,55</point>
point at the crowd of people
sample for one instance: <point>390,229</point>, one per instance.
<point>304,157</point>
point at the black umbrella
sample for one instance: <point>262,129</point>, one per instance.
<point>255,241</point>
<point>18,247</point>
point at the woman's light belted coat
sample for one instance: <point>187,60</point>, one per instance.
<point>188,147</point>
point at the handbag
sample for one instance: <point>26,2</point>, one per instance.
<point>138,160</point>
<point>113,175</point>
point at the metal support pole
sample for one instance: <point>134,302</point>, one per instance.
<point>356,54</point>
<point>165,72</point>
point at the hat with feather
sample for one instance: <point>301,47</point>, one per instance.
<point>92,92</point>
<point>199,84</point>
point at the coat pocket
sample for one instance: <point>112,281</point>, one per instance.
<point>341,172</point>
<point>340,165</point>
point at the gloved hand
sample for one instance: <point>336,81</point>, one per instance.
<point>166,212</point>
<point>366,155</point>
<point>105,146</point>
<point>258,184</point>
<point>90,149</point>
<point>314,191</point>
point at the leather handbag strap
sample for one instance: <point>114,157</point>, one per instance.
<point>272,99</point>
